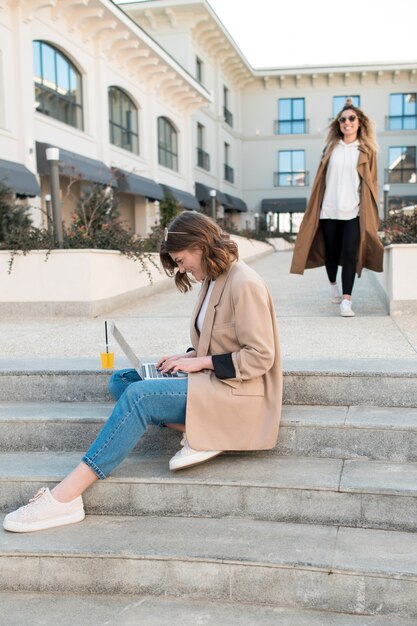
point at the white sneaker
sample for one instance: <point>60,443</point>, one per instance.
<point>346,308</point>
<point>335,296</point>
<point>187,456</point>
<point>43,511</point>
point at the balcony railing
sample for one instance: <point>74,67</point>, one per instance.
<point>203,159</point>
<point>401,122</point>
<point>401,176</point>
<point>291,179</point>
<point>229,173</point>
<point>291,127</point>
<point>228,117</point>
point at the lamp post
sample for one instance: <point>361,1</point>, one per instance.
<point>48,211</point>
<point>52,156</point>
<point>213,203</point>
<point>386,192</point>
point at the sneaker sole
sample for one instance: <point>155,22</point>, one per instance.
<point>350,314</point>
<point>184,463</point>
<point>21,527</point>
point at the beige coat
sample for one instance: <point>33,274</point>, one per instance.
<point>240,413</point>
<point>309,246</point>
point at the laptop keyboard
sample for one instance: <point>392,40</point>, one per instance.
<point>153,372</point>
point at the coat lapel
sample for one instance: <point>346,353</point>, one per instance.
<point>365,172</point>
<point>194,334</point>
<point>204,340</point>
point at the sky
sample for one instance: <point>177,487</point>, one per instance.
<point>282,33</point>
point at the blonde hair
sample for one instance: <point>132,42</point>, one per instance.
<point>366,130</point>
<point>190,231</point>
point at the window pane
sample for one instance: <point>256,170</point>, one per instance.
<point>37,61</point>
<point>298,128</point>
<point>395,123</point>
<point>284,161</point>
<point>298,161</point>
<point>48,66</point>
<point>284,127</point>
<point>63,81</point>
<point>409,104</point>
<point>284,110</point>
<point>298,108</point>
<point>409,123</point>
<point>394,157</point>
<point>284,180</point>
<point>396,104</point>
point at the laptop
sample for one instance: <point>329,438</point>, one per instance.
<point>145,370</point>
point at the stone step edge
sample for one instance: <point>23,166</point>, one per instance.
<point>187,481</point>
<point>88,554</point>
<point>164,605</point>
<point>320,420</point>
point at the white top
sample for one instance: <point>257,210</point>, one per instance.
<point>203,310</point>
<point>341,196</point>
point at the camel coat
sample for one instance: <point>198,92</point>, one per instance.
<point>240,413</point>
<point>309,246</point>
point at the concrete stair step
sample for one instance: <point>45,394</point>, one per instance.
<point>30,609</point>
<point>380,433</point>
<point>346,570</point>
<point>307,381</point>
<point>357,493</point>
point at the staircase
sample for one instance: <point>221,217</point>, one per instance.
<point>318,531</point>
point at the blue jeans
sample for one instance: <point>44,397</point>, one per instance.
<point>139,403</point>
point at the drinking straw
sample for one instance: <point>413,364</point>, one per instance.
<point>107,340</point>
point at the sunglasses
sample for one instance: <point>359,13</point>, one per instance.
<point>173,232</point>
<point>343,119</point>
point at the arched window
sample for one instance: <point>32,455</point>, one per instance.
<point>123,120</point>
<point>167,144</point>
<point>58,91</point>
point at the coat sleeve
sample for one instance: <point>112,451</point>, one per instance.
<point>254,331</point>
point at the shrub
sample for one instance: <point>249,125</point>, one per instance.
<point>399,228</point>
<point>13,216</point>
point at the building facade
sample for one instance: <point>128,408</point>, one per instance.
<point>155,98</point>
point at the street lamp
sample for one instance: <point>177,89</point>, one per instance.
<point>213,194</point>
<point>386,192</point>
<point>52,156</point>
<point>48,211</point>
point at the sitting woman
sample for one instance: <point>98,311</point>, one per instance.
<point>231,398</point>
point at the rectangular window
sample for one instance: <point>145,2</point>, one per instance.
<point>402,111</point>
<point>229,174</point>
<point>228,117</point>
<point>291,116</point>
<point>291,169</point>
<point>199,69</point>
<point>340,101</point>
<point>402,165</point>
<point>203,158</point>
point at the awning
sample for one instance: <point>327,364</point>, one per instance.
<point>127,182</point>
<point>187,200</point>
<point>75,166</point>
<point>284,205</point>
<point>18,179</point>
<point>203,194</point>
<point>236,204</point>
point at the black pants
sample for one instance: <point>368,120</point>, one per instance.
<point>341,240</point>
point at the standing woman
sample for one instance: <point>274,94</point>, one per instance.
<point>231,399</point>
<point>340,225</point>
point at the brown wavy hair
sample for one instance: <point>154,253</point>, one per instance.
<point>191,230</point>
<point>366,130</point>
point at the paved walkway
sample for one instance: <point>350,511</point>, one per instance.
<point>311,327</point>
